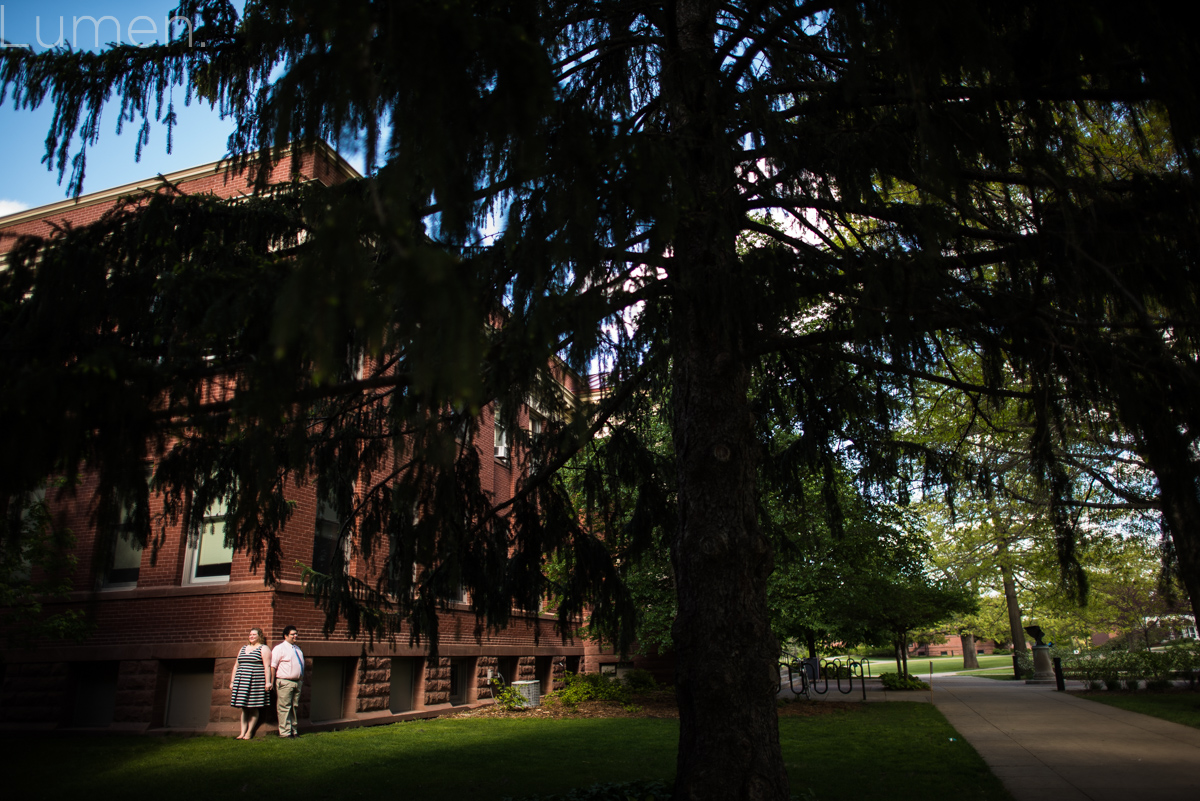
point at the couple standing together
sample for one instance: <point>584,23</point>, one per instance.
<point>250,684</point>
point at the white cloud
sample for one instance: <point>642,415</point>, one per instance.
<point>11,207</point>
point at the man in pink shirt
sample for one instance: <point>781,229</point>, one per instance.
<point>287,661</point>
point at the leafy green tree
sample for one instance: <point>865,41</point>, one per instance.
<point>905,603</point>
<point>921,155</point>
<point>822,579</point>
<point>1128,594</point>
<point>624,485</point>
<point>36,565</point>
<point>995,530</point>
<point>988,622</point>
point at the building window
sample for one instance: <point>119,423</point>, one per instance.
<point>327,678</point>
<point>499,436</point>
<point>460,423</point>
<point>615,670</point>
<point>189,694</point>
<point>95,694</point>
<point>463,680</point>
<point>405,673</point>
<point>126,560</point>
<point>328,534</point>
<point>210,557</point>
<point>537,425</point>
<point>34,518</point>
<point>507,669</point>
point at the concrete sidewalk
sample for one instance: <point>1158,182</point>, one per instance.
<point>1050,746</point>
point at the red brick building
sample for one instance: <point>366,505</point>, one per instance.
<point>168,622</point>
<point>951,647</point>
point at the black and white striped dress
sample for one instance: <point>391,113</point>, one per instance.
<point>249,680</point>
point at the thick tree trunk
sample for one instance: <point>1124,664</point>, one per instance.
<point>729,731</point>
<point>1010,598</point>
<point>729,736</point>
<point>811,639</point>
<point>1170,460</point>
<point>725,675</point>
<point>970,659</point>
<point>896,644</point>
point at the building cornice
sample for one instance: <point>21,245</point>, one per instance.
<point>151,184</point>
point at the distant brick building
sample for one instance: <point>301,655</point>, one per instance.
<point>951,647</point>
<point>168,624</point>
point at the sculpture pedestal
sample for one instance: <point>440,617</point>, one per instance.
<point>1043,670</point>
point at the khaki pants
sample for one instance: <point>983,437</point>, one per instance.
<point>287,700</point>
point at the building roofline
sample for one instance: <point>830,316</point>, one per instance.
<point>150,184</point>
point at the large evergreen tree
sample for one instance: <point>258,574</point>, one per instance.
<point>925,172</point>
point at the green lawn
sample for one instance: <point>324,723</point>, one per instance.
<point>1002,674</point>
<point>895,750</point>
<point>1177,706</point>
<point>919,665</point>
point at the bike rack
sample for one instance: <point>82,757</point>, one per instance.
<point>794,678</point>
<point>816,679</point>
<point>853,670</point>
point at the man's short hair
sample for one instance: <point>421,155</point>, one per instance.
<point>288,630</point>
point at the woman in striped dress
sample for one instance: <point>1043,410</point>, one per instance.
<point>250,684</point>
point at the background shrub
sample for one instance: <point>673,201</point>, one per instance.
<point>1156,668</point>
<point>895,681</point>
<point>580,687</point>
<point>639,680</point>
<point>507,697</point>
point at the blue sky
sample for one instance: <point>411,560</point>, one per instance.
<point>25,181</point>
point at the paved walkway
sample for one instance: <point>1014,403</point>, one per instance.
<point>1050,746</point>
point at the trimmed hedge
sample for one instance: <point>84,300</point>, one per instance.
<point>1112,669</point>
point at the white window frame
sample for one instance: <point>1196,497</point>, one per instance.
<point>214,515</point>
<point>501,447</point>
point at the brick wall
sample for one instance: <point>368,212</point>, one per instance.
<point>206,179</point>
<point>374,684</point>
<point>437,681</point>
<point>35,692</point>
<point>951,647</point>
<point>137,630</point>
<point>527,668</point>
<point>485,664</point>
<point>137,685</point>
<point>221,710</point>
